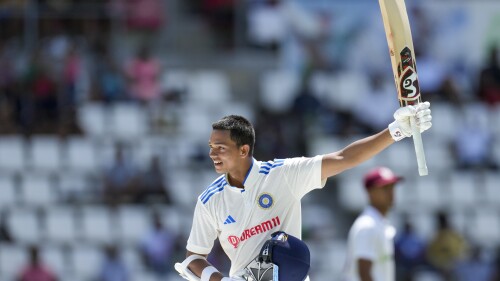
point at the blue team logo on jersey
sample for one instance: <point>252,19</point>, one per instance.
<point>265,201</point>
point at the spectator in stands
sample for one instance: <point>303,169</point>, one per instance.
<point>36,270</point>
<point>120,179</point>
<point>221,17</point>
<point>446,248</point>
<point>152,183</point>
<point>474,267</point>
<point>299,32</point>
<point>143,73</point>
<point>42,92</point>
<point>489,79</point>
<point>113,268</point>
<point>496,266</point>
<point>5,235</point>
<point>157,247</point>
<point>409,252</point>
<point>111,84</point>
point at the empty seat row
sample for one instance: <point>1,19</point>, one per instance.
<point>464,190</point>
<point>76,262</point>
<point>94,224</point>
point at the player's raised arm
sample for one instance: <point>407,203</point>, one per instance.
<point>364,149</point>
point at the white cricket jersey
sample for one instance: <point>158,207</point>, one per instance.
<point>244,219</point>
<point>371,237</point>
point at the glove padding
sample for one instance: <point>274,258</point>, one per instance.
<point>401,127</point>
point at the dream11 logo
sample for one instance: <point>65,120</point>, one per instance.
<point>248,233</point>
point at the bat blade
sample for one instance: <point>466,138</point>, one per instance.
<point>404,67</point>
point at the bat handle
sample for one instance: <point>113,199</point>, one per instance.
<point>419,147</point>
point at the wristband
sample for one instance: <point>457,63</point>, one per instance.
<point>207,272</point>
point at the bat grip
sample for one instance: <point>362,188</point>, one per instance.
<point>419,147</point>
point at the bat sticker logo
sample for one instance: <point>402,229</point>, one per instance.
<point>409,84</point>
<point>409,87</point>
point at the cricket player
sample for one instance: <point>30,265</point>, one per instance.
<point>253,199</point>
<point>370,244</point>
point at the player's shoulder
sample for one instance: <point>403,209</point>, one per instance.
<point>266,167</point>
<point>364,222</point>
<point>216,187</point>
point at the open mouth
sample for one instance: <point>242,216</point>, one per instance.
<point>217,163</point>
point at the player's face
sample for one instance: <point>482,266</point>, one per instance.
<point>382,196</point>
<point>224,152</point>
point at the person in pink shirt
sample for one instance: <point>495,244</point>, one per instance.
<point>143,73</point>
<point>36,270</point>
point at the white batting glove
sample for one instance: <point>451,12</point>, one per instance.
<point>232,279</point>
<point>401,127</point>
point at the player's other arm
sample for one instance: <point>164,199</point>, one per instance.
<point>364,149</point>
<point>197,266</point>
<point>364,269</point>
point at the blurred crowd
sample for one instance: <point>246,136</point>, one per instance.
<point>110,52</point>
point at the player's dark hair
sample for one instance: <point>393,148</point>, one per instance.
<point>241,130</point>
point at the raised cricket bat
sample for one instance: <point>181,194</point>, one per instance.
<point>397,30</point>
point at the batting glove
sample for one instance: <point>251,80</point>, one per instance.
<point>401,127</point>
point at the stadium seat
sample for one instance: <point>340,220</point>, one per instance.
<point>13,154</point>
<point>401,155</point>
<point>277,90</point>
<point>484,227</point>
<point>325,144</point>
<point>37,190</point>
<point>491,185</point>
<point>171,218</point>
<point>93,118</point>
<point>132,258</point>
<point>443,121</point>
<point>128,121</point>
<point>45,153</point>
<point>134,223</point>
<point>74,187</point>
<point>86,261</point>
<point>61,225</point>
<point>209,87</point>
<point>346,85</point>
<point>196,121</point>
<point>81,155</point>
<point>352,195</point>
<point>423,222</point>
<point>98,224</point>
<point>174,80</point>
<point>12,260</point>
<point>428,192</point>
<point>322,85</point>
<point>462,190</point>
<point>9,192</point>
<point>438,155</point>
<point>24,225</point>
<point>55,259</point>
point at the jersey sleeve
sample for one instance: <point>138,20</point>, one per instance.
<point>303,174</point>
<point>364,244</point>
<point>203,231</point>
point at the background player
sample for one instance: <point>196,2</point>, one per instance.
<point>370,244</point>
<point>252,199</point>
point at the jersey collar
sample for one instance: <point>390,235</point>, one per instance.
<point>252,174</point>
<point>374,213</point>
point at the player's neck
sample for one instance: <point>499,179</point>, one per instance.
<point>237,178</point>
<point>382,210</point>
